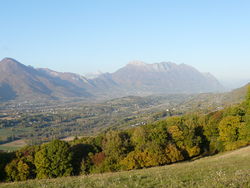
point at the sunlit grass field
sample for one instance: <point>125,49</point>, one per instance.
<point>229,169</point>
<point>12,146</point>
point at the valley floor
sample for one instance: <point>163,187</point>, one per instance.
<point>229,169</point>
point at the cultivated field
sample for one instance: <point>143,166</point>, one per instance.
<point>230,169</point>
<point>14,145</point>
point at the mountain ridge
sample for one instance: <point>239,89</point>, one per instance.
<point>136,78</point>
<point>175,78</point>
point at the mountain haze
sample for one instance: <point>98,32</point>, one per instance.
<point>18,80</point>
<point>165,77</point>
<point>136,78</point>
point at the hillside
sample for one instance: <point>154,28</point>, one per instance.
<point>18,81</point>
<point>236,95</point>
<point>87,118</point>
<point>25,82</point>
<point>167,141</point>
<point>229,169</point>
<point>165,77</point>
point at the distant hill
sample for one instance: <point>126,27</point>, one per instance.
<point>18,80</point>
<point>166,77</point>
<point>136,78</point>
<point>211,101</point>
<point>236,95</point>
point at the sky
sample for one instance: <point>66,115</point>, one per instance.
<point>84,36</point>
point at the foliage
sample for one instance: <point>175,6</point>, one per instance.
<point>230,169</point>
<point>116,144</point>
<point>247,102</point>
<point>174,139</point>
<point>19,170</point>
<point>54,160</point>
<point>22,166</point>
<point>80,154</point>
<point>5,158</point>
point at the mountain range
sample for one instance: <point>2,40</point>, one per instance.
<point>18,81</point>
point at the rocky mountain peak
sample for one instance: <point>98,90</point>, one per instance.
<point>137,63</point>
<point>136,78</point>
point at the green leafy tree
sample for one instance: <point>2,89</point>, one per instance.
<point>140,138</point>
<point>80,157</point>
<point>54,160</point>
<point>245,131</point>
<point>116,144</point>
<point>211,131</point>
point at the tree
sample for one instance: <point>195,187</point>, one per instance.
<point>185,134</point>
<point>173,153</point>
<point>22,166</point>
<point>139,138</point>
<point>5,158</point>
<point>229,128</point>
<point>232,132</point>
<point>211,131</point>
<point>116,145</point>
<point>18,170</point>
<point>54,160</point>
<point>80,154</point>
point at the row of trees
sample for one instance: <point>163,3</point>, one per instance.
<point>167,141</point>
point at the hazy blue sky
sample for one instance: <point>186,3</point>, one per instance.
<point>89,35</point>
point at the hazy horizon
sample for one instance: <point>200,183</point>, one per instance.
<point>89,36</point>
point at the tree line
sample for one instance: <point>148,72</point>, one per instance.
<point>174,139</point>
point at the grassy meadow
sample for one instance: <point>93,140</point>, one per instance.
<point>229,169</point>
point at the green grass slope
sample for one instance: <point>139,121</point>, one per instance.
<point>230,169</point>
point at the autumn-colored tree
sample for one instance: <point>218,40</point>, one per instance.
<point>187,139</point>
<point>146,158</point>
<point>232,130</point>
<point>229,128</point>
<point>163,142</point>
<point>22,166</point>
<point>18,170</point>
<point>173,153</point>
<point>98,158</point>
